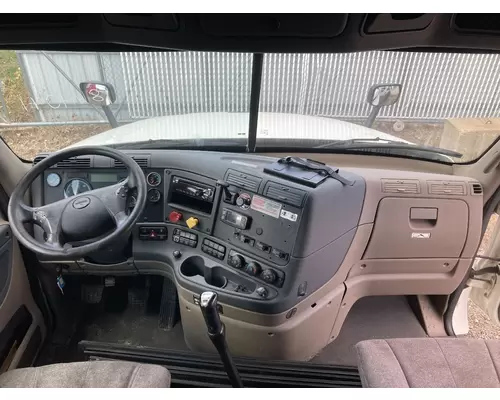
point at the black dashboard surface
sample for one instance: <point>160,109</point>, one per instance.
<point>218,220</point>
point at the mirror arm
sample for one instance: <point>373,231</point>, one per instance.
<point>111,117</point>
<point>372,116</point>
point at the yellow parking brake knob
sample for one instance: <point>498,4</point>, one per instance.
<point>191,222</point>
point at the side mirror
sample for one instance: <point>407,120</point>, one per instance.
<point>100,94</point>
<point>384,95</point>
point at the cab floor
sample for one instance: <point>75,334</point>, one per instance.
<point>114,321</point>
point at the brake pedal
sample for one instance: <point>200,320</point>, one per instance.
<point>92,294</point>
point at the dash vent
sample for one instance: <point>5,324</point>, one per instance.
<point>143,162</point>
<point>38,159</point>
<point>408,186</point>
<point>284,194</point>
<point>447,188</point>
<point>75,162</point>
<point>476,189</point>
<point>243,180</point>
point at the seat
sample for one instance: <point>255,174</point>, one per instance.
<point>90,374</point>
<point>429,362</point>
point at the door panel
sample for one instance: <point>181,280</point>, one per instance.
<point>21,323</point>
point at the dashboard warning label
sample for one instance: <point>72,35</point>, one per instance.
<point>266,206</point>
<point>289,215</point>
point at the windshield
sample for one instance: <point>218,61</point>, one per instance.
<point>410,104</point>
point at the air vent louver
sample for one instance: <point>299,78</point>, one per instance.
<point>80,162</point>
<point>476,189</point>
<point>76,162</point>
<point>38,159</point>
<point>408,186</point>
<point>446,188</point>
<point>243,180</point>
<point>284,194</point>
<point>143,162</point>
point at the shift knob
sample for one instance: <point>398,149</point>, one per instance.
<point>208,305</point>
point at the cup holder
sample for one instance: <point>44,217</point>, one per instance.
<point>195,266</point>
<point>216,280</point>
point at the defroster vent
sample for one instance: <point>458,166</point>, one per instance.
<point>243,180</point>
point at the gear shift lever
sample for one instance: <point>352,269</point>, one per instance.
<point>217,334</point>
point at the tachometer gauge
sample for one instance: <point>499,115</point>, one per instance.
<point>76,186</point>
<point>53,179</point>
<point>154,195</point>
<point>153,178</point>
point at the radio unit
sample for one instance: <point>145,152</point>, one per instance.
<point>192,194</point>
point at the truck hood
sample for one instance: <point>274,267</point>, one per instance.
<point>199,126</point>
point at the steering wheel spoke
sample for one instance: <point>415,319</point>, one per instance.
<point>48,217</point>
<point>114,197</point>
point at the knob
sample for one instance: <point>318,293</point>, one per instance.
<point>253,268</point>
<point>242,201</point>
<point>261,291</point>
<point>236,261</point>
<point>269,276</point>
<point>191,222</point>
<point>175,216</point>
<point>177,254</point>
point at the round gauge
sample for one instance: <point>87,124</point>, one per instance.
<point>76,186</point>
<point>53,179</point>
<point>153,178</point>
<point>154,195</point>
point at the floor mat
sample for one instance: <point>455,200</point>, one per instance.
<point>132,327</point>
<point>380,317</point>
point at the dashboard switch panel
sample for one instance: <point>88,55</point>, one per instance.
<point>214,249</point>
<point>185,238</point>
<point>152,233</point>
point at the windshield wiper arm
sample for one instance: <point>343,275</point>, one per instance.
<point>173,143</point>
<point>377,143</point>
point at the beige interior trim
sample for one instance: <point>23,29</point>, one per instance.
<point>18,294</point>
<point>12,169</point>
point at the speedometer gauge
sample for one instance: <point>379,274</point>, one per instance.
<point>53,179</point>
<point>76,186</point>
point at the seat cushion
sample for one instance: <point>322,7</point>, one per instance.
<point>91,374</point>
<point>429,362</point>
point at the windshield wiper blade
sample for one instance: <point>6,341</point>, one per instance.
<point>377,143</point>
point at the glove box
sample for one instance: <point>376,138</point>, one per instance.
<point>418,228</point>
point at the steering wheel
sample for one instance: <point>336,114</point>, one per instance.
<point>99,214</point>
